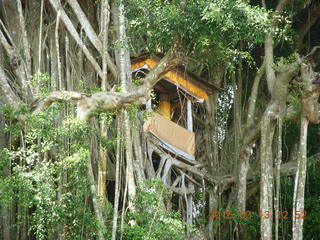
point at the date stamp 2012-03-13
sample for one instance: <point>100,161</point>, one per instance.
<point>229,214</point>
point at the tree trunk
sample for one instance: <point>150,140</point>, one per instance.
<point>102,175</point>
<point>277,177</point>
<point>211,146</point>
<point>300,181</point>
<point>117,180</point>
<point>310,114</point>
<point>247,143</point>
<point>125,79</point>
<point>5,209</point>
<point>266,181</point>
<point>96,204</point>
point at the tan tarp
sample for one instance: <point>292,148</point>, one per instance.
<point>170,132</point>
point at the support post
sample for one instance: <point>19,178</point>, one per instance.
<point>148,104</point>
<point>165,106</point>
<point>189,115</point>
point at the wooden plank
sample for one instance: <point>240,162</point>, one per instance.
<point>190,178</point>
<point>160,144</point>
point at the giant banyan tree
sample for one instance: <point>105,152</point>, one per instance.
<point>156,119</point>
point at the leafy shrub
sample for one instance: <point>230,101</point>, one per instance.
<point>150,220</point>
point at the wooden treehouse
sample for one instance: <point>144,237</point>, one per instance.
<point>168,132</point>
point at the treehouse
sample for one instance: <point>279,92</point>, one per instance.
<point>168,131</point>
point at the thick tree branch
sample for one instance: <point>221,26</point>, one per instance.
<point>91,34</point>
<point>93,37</point>
<point>277,86</point>
<point>270,73</point>
<point>86,104</point>
<point>8,96</point>
<point>105,20</point>
<point>26,46</point>
<point>285,74</point>
<point>281,5</point>
<point>254,94</point>
<point>16,63</point>
<point>313,57</point>
<point>247,143</point>
<point>58,96</point>
<point>268,46</point>
<point>310,94</point>
<point>73,32</point>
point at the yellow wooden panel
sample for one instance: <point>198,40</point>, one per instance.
<point>137,65</point>
<point>165,109</point>
<point>176,78</point>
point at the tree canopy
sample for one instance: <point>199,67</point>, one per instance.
<point>77,161</point>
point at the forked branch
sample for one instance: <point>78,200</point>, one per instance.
<point>88,104</point>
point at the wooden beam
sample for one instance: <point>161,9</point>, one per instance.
<point>190,178</point>
<point>189,116</point>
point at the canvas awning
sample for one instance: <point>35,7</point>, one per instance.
<point>170,132</point>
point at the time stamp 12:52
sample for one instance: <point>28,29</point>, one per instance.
<point>261,214</point>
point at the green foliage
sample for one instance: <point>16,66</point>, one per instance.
<point>237,20</point>
<point>209,29</point>
<point>136,81</point>
<point>311,226</point>
<point>313,139</point>
<point>249,219</point>
<point>295,103</point>
<point>55,188</point>
<point>41,82</point>
<point>294,99</point>
<point>36,187</point>
<point>75,129</point>
<point>284,31</point>
<point>292,58</point>
<point>133,112</point>
<point>152,221</point>
<point>86,86</point>
<point>10,115</point>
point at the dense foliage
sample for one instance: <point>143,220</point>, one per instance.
<point>209,29</point>
<point>61,176</point>
<point>56,191</point>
